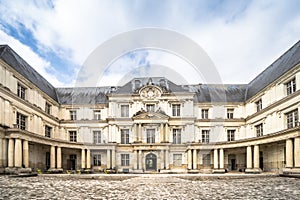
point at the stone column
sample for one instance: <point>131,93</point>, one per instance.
<point>162,159</point>
<point>189,159</point>
<point>297,151</point>
<point>136,135</point>
<point>167,137</point>
<point>195,159</point>
<point>58,156</point>
<point>216,164</point>
<point>88,159</point>
<point>11,147</point>
<point>18,152</point>
<point>108,166</point>
<point>249,157</point>
<point>25,154</point>
<point>113,158</point>
<point>4,152</point>
<point>109,133</point>
<point>256,156</point>
<point>221,158</point>
<point>1,153</point>
<point>289,153</point>
<point>140,160</point>
<point>135,159</point>
<point>82,158</point>
<point>161,132</point>
<point>52,157</point>
<point>167,159</point>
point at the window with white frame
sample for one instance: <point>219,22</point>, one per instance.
<point>97,159</point>
<point>125,160</point>
<point>21,121</point>
<point>259,130</point>
<point>47,108</point>
<point>204,113</point>
<point>73,115</point>
<point>73,136</point>
<point>97,137</point>
<point>97,114</point>
<point>292,118</point>
<point>230,135</point>
<point>150,135</point>
<point>176,136</point>
<point>205,136</point>
<point>21,91</point>
<point>258,105</point>
<point>290,86</point>
<point>124,136</point>
<point>48,131</point>
<point>177,160</point>
<point>124,110</point>
<point>175,110</point>
<point>150,107</point>
<point>230,113</point>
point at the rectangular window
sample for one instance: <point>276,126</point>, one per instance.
<point>73,115</point>
<point>48,108</point>
<point>97,137</point>
<point>97,159</point>
<point>230,135</point>
<point>124,159</point>
<point>177,160</point>
<point>176,136</point>
<point>290,87</point>
<point>204,113</point>
<point>206,159</point>
<point>259,130</point>
<point>150,135</point>
<point>21,91</point>
<point>176,110</point>
<point>124,136</point>
<point>258,105</point>
<point>230,113</point>
<point>21,121</point>
<point>124,110</point>
<point>48,131</point>
<point>205,136</point>
<point>73,136</point>
<point>150,107</point>
<point>292,119</point>
<point>97,114</point>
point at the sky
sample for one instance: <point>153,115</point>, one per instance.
<point>241,37</point>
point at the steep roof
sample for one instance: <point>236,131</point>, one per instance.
<point>283,64</point>
<point>21,66</point>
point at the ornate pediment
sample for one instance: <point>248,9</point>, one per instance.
<point>150,92</point>
<point>158,115</point>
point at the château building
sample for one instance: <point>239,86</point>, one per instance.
<point>151,124</point>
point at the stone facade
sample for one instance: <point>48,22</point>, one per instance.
<point>151,124</point>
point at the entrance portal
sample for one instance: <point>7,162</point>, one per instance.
<point>232,162</point>
<point>151,162</point>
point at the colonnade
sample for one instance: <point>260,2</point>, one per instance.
<point>164,132</point>
<point>18,153</point>
<point>293,153</point>
<point>192,158</point>
<point>85,159</point>
<point>111,158</point>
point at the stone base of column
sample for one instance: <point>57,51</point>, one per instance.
<point>295,170</point>
<point>253,171</point>
<point>218,171</point>
<point>55,170</point>
<point>17,170</point>
<point>193,171</point>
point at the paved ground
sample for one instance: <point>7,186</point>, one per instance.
<point>149,187</point>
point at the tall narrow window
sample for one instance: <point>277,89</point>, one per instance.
<point>176,110</point>
<point>177,160</point>
<point>97,137</point>
<point>97,159</point>
<point>97,114</point>
<point>73,115</point>
<point>176,136</point>
<point>47,108</point>
<point>292,119</point>
<point>230,135</point>
<point>125,160</point>
<point>258,105</point>
<point>205,136</point>
<point>124,110</point>
<point>48,131</point>
<point>73,136</point>
<point>204,113</point>
<point>150,135</point>
<point>150,107</point>
<point>290,87</point>
<point>230,113</point>
<point>21,91</point>
<point>124,136</point>
<point>21,121</point>
<point>259,130</point>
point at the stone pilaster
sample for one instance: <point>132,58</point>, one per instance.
<point>249,157</point>
<point>58,156</point>
<point>189,158</point>
<point>136,135</point>
<point>140,133</point>
<point>289,153</point>
<point>161,132</point>
<point>52,157</point>
<point>256,156</point>
<point>108,166</point>
<point>140,160</point>
<point>82,158</point>
<point>167,133</point>
<point>18,152</point>
<point>194,158</point>
<point>221,158</point>
<point>88,159</point>
<point>167,159</point>
<point>25,154</point>
<point>135,159</point>
<point>113,158</point>
<point>216,164</point>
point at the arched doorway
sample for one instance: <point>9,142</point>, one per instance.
<point>151,162</point>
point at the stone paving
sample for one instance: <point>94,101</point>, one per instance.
<point>149,187</point>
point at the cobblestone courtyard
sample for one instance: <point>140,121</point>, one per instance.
<point>148,187</point>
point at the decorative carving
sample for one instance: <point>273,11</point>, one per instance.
<point>150,92</point>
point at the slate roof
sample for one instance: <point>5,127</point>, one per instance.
<point>21,66</point>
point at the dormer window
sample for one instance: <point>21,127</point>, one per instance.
<point>21,91</point>
<point>137,84</point>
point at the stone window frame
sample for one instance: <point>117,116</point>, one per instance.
<point>124,136</point>
<point>150,135</point>
<point>125,159</point>
<point>230,112</point>
<point>176,135</point>
<point>73,136</point>
<point>290,86</point>
<point>21,91</point>
<point>204,113</point>
<point>150,107</point>
<point>231,135</point>
<point>73,115</point>
<point>21,121</point>
<point>97,114</point>
<point>97,159</point>
<point>48,131</point>
<point>125,110</point>
<point>97,137</point>
<point>292,118</point>
<point>205,136</point>
<point>176,110</point>
<point>259,130</point>
<point>258,105</point>
<point>48,108</point>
